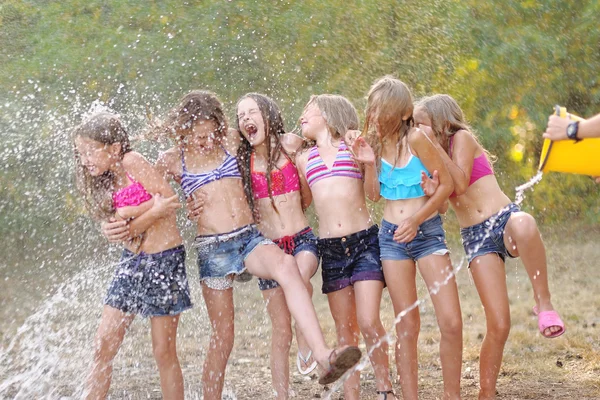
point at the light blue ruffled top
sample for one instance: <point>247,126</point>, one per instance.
<point>398,183</point>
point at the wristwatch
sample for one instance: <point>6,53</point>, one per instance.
<point>572,129</point>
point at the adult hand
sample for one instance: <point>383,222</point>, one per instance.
<point>115,231</point>
<point>195,205</point>
<point>363,153</point>
<point>429,185</point>
<point>557,128</point>
<point>406,231</point>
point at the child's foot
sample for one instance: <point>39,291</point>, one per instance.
<point>386,395</point>
<point>549,323</point>
<point>340,361</point>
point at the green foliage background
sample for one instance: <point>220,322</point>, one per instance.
<point>507,63</point>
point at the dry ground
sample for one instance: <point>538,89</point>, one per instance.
<point>533,368</point>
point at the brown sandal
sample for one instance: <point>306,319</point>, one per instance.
<point>345,359</point>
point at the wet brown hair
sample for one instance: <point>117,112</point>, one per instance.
<point>105,128</point>
<point>339,113</point>
<point>273,128</point>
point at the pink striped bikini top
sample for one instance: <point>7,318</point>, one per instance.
<point>131,195</point>
<point>344,165</point>
<point>481,166</point>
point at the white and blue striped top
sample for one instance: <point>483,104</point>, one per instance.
<point>191,182</point>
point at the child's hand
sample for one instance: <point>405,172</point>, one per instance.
<point>429,185</point>
<point>115,231</point>
<point>362,152</point>
<point>164,206</point>
<point>406,231</point>
<point>351,136</point>
<point>195,205</point>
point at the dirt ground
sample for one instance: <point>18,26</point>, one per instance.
<point>533,368</point>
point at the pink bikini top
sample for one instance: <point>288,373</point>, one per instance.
<point>132,195</point>
<point>481,166</point>
<point>284,180</point>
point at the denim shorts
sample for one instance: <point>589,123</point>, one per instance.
<point>349,259</point>
<point>224,254</point>
<point>430,239</point>
<point>305,240</point>
<point>151,285</point>
<point>488,236</point>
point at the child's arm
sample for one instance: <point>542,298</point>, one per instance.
<point>165,200</point>
<point>363,153</point>
<point>430,185</point>
<point>132,212</point>
<point>301,160</point>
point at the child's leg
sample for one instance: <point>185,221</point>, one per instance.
<point>219,304</point>
<point>341,304</point>
<point>368,301</point>
<point>164,346</point>
<point>307,264</point>
<point>270,262</point>
<point>436,268</point>
<point>522,238</point>
<point>490,279</point>
<point>281,340</point>
<point>110,334</point>
<point>400,278</point>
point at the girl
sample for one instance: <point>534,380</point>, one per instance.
<point>228,242</point>
<point>352,276</point>
<point>491,228</point>
<point>411,232</point>
<point>115,181</point>
<point>272,188</point>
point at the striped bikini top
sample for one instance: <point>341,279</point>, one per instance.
<point>191,182</point>
<point>344,165</point>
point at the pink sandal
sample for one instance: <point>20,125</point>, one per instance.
<point>345,358</point>
<point>548,319</point>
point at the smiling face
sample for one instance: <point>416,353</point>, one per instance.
<point>95,156</point>
<point>312,122</point>
<point>251,121</point>
<point>201,136</point>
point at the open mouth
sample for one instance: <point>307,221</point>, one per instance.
<point>251,129</point>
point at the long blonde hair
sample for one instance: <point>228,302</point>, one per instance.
<point>447,118</point>
<point>105,128</point>
<point>390,108</point>
<point>340,115</point>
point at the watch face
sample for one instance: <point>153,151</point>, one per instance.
<point>572,130</point>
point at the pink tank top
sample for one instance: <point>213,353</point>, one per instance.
<point>132,195</point>
<point>283,181</point>
<point>481,166</point>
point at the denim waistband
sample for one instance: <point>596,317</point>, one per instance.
<point>352,238</point>
<point>490,221</point>
<point>223,237</point>
<point>437,220</point>
<point>161,254</point>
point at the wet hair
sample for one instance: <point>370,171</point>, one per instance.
<point>105,128</point>
<point>274,127</point>
<point>446,118</point>
<point>340,115</point>
<point>389,108</point>
<point>194,106</point>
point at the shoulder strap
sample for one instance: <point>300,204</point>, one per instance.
<point>182,159</point>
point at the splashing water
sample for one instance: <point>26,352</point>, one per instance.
<point>520,190</point>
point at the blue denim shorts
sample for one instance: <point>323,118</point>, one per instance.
<point>349,259</point>
<point>224,254</point>
<point>151,285</point>
<point>430,239</point>
<point>488,236</point>
<point>305,240</point>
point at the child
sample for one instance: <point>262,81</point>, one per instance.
<point>272,189</point>
<point>352,276</point>
<point>228,242</point>
<point>491,228</point>
<point>411,231</point>
<point>151,278</point>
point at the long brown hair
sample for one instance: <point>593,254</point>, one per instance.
<point>447,118</point>
<point>339,113</point>
<point>390,108</point>
<point>273,128</point>
<point>105,128</point>
<point>196,105</point>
